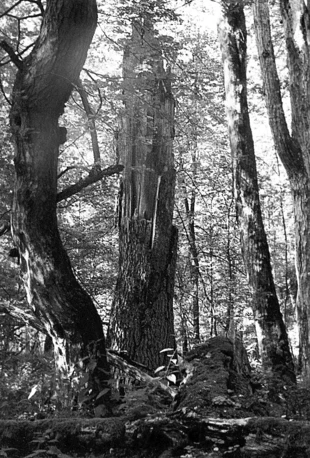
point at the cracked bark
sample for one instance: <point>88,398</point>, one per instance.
<point>142,314</point>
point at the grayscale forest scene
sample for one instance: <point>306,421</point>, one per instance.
<point>155,228</point>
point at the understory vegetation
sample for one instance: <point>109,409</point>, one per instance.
<point>154,222</point>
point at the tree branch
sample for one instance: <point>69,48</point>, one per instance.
<point>13,56</point>
<point>91,121</point>
<point>39,5</point>
<point>10,8</point>
<point>27,316</point>
<point>94,175</point>
<point>287,147</point>
<point>70,167</point>
<point>4,94</point>
<point>6,227</point>
<point>130,369</point>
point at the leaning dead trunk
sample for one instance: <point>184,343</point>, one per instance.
<point>271,331</point>
<point>43,85</point>
<point>142,314</point>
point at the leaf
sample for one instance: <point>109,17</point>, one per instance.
<point>36,453</point>
<point>102,393</point>
<point>102,370</point>
<point>53,450</point>
<point>84,379</point>
<point>172,378</point>
<point>160,368</point>
<point>166,349</point>
<point>99,411</point>
<point>92,365</point>
<point>33,391</point>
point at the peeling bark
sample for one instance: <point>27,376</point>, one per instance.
<point>142,314</point>
<point>270,328</point>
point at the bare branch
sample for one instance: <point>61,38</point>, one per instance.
<point>5,228</point>
<point>89,73</point>
<point>39,5</point>
<point>94,175</point>
<point>91,122</point>
<point>10,51</point>
<point>60,174</point>
<point>136,371</point>
<point>4,94</point>
<point>11,8</point>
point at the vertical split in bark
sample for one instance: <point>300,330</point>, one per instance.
<point>42,87</point>
<point>271,332</point>
<point>142,313</point>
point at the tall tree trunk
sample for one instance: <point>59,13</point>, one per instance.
<point>294,148</point>
<point>194,262</point>
<point>271,331</point>
<point>142,313</point>
<point>190,227</point>
<point>43,85</point>
<point>230,324</point>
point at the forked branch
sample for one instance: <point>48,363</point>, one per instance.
<point>11,53</point>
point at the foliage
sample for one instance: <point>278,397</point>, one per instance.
<point>88,221</point>
<point>27,382</point>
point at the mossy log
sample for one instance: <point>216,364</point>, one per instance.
<point>72,435</point>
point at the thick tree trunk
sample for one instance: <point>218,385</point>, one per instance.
<point>293,148</point>
<point>271,332</point>
<point>142,313</point>
<point>43,85</point>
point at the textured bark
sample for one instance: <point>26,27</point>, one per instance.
<point>293,148</point>
<point>42,87</point>
<point>142,314</point>
<point>271,331</point>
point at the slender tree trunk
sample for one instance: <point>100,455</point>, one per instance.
<point>190,204</point>
<point>271,331</point>
<point>43,85</point>
<point>142,313</point>
<point>213,315</point>
<point>194,263</point>
<point>230,326</point>
<point>293,148</point>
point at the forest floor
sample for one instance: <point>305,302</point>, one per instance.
<point>220,410</point>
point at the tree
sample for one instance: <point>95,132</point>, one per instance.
<point>189,205</point>
<point>142,314</point>
<point>204,172</point>
<point>44,81</point>
<point>271,332</point>
<point>293,148</point>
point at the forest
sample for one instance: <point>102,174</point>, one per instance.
<point>155,228</point>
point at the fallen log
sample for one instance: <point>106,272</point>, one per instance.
<point>137,372</point>
<point>253,437</point>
